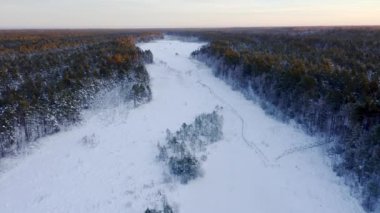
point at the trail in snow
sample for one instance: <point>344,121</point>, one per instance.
<point>301,149</point>
<point>252,145</point>
<point>108,163</point>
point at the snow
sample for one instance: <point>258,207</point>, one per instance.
<point>108,162</point>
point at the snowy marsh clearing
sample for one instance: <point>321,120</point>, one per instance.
<point>108,163</point>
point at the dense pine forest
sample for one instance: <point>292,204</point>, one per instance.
<point>325,79</point>
<point>48,77</point>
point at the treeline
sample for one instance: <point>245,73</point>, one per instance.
<point>45,86</point>
<point>327,80</point>
<point>36,41</point>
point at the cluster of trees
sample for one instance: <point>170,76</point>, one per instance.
<point>45,88</point>
<point>325,79</point>
<point>166,208</point>
<point>181,148</point>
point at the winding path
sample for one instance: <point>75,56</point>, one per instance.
<point>250,144</point>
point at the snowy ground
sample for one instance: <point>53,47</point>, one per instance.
<point>108,163</point>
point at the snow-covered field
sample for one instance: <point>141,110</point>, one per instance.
<point>108,163</point>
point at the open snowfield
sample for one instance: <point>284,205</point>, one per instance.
<point>108,163</point>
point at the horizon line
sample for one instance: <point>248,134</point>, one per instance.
<point>184,28</point>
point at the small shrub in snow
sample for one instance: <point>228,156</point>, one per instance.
<point>89,141</point>
<point>163,153</point>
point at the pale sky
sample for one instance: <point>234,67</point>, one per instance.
<point>185,13</point>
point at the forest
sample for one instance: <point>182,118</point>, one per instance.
<point>48,77</point>
<point>324,79</point>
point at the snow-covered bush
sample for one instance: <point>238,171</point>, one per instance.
<point>186,167</point>
<point>209,126</point>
